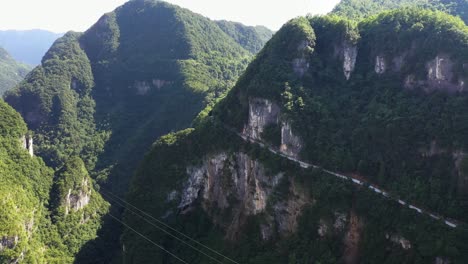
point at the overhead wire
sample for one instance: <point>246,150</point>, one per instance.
<point>162,229</point>
<point>149,240</point>
<point>167,226</point>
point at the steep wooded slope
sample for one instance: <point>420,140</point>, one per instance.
<point>32,228</point>
<point>105,95</point>
<point>11,72</point>
<point>357,9</point>
<point>383,101</point>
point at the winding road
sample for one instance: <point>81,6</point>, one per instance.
<point>354,180</point>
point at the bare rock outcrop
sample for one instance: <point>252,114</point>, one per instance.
<point>291,144</point>
<point>380,65</point>
<point>237,185</point>
<point>399,240</point>
<point>262,112</point>
<point>440,77</point>
<point>347,52</point>
<point>78,199</point>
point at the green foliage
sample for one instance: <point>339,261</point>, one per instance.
<point>368,125</point>
<point>251,38</point>
<point>11,72</point>
<point>273,65</point>
<point>71,185</point>
<point>358,9</point>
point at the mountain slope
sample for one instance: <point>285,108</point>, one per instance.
<point>28,234</point>
<point>357,9</point>
<point>382,102</point>
<point>11,72</point>
<point>27,46</point>
<point>251,38</point>
<point>107,94</point>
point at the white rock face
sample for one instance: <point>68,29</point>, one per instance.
<point>440,69</point>
<point>350,53</point>
<point>142,87</point>
<point>403,242</point>
<point>240,185</point>
<point>441,260</point>
<point>221,176</point>
<point>380,65</point>
<point>300,66</point>
<point>28,144</point>
<point>158,83</point>
<point>291,144</point>
<point>78,201</point>
<point>262,112</point>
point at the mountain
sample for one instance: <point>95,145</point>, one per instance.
<point>343,142</point>
<point>28,46</point>
<point>142,71</point>
<point>33,229</point>
<point>100,99</point>
<point>251,38</point>
<point>357,9</point>
<point>11,72</point>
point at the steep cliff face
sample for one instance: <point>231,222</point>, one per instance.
<point>236,185</point>
<point>262,112</point>
<point>348,111</point>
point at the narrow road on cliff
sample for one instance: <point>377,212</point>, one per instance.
<point>449,222</point>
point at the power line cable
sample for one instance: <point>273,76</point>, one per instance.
<point>163,230</point>
<point>168,226</point>
<point>149,240</point>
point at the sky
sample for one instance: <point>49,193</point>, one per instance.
<point>78,15</point>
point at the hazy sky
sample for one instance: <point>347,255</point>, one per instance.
<point>78,15</point>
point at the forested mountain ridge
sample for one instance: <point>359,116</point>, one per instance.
<point>357,9</point>
<point>11,71</point>
<point>27,46</point>
<point>41,223</point>
<point>383,100</point>
<point>251,38</point>
<point>107,94</point>
<point>99,100</point>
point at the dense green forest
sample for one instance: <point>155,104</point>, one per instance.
<point>367,91</point>
<point>104,96</point>
<point>11,71</point>
<point>357,9</point>
<point>41,221</point>
<point>251,38</point>
<point>409,137</point>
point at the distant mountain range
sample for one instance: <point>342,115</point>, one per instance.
<point>11,71</point>
<point>28,46</point>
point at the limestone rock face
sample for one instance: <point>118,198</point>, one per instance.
<point>460,157</point>
<point>142,87</point>
<point>440,69</point>
<point>403,242</point>
<point>380,65</point>
<point>79,199</point>
<point>239,186</point>
<point>440,77</point>
<point>291,144</point>
<point>441,260</point>
<point>262,112</point>
<point>350,53</point>
<point>300,64</point>
<point>27,144</point>
<point>222,176</point>
<point>352,239</point>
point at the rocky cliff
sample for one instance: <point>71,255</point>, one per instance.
<point>341,101</point>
